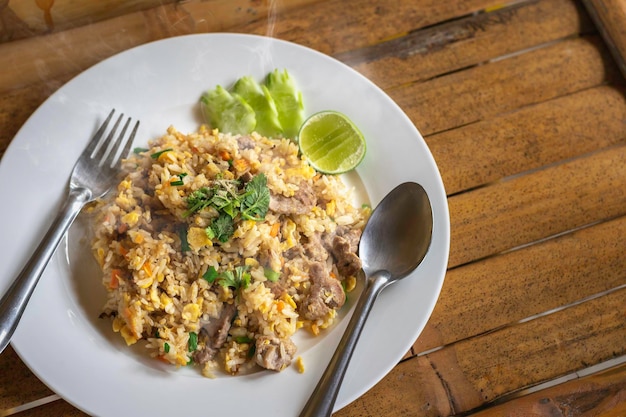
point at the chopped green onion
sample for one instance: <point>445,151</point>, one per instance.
<point>137,151</point>
<point>177,183</point>
<point>157,154</point>
<point>252,351</point>
<point>166,347</point>
<point>271,275</point>
<point>193,341</point>
<point>243,339</point>
<point>184,244</point>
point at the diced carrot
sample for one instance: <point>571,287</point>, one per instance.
<point>275,229</point>
<point>225,155</point>
<point>147,268</point>
<point>333,275</point>
<point>280,305</point>
<point>122,250</point>
<point>115,279</point>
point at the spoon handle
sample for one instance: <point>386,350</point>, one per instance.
<point>323,398</point>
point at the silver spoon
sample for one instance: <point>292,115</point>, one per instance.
<point>394,242</point>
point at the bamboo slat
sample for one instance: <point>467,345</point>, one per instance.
<point>465,375</point>
<point>522,210</point>
<point>600,394</point>
<point>25,18</point>
<point>27,388</point>
<point>466,42</point>
<point>483,296</point>
<point>362,22</point>
<point>530,137</point>
<point>485,91</point>
<point>28,61</point>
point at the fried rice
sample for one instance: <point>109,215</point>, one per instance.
<point>232,301</point>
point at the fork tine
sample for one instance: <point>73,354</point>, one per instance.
<point>95,142</point>
<point>129,143</point>
<point>106,144</point>
<point>112,155</point>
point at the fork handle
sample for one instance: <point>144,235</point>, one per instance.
<point>14,302</point>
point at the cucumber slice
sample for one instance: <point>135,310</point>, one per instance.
<point>227,112</point>
<point>259,98</point>
<point>288,101</point>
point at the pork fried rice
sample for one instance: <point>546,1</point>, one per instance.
<point>215,249</point>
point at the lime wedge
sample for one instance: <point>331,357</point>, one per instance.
<point>331,142</point>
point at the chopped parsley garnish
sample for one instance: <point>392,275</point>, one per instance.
<point>222,228</point>
<point>210,274</point>
<point>238,278</point>
<point>256,199</point>
<point>232,203</point>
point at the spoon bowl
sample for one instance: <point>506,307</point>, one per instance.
<point>394,243</point>
<point>398,233</point>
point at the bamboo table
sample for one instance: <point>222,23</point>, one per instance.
<point>523,107</point>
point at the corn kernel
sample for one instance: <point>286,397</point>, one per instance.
<point>251,262</point>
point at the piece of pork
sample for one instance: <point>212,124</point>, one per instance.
<point>274,354</point>
<point>311,248</point>
<point>348,263</point>
<point>325,293</point>
<point>246,142</point>
<point>303,200</point>
<point>344,245</point>
<point>214,334</point>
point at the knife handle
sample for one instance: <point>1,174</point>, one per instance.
<point>609,17</point>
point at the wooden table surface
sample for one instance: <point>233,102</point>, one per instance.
<point>524,110</point>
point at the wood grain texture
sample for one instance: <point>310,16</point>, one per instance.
<point>502,290</point>
<point>465,375</point>
<point>41,58</point>
<point>525,209</point>
<point>601,394</point>
<point>482,92</point>
<point>530,137</point>
<point>351,24</point>
<point>26,18</point>
<point>25,386</point>
<point>609,17</point>
<point>465,42</point>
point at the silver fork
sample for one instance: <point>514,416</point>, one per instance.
<point>93,175</point>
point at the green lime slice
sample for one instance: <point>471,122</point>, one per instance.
<point>331,142</point>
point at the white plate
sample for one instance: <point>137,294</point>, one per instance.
<point>60,337</point>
